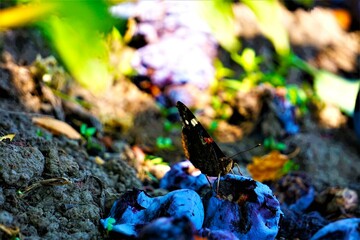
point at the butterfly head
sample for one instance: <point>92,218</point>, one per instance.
<point>226,164</point>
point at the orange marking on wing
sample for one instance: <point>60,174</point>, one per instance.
<point>208,140</point>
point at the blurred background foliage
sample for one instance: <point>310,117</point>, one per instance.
<point>76,31</point>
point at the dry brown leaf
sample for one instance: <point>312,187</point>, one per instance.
<point>267,167</point>
<point>10,231</point>
<point>57,127</point>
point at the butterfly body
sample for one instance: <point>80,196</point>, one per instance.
<point>200,148</point>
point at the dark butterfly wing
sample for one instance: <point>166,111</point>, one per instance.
<point>200,148</point>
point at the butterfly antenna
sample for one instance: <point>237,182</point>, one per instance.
<point>258,145</point>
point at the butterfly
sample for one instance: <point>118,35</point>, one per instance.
<point>200,148</point>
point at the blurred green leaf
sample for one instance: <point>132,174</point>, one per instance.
<point>271,144</point>
<point>232,84</point>
<point>9,137</point>
<point>268,12</point>
<point>305,3</point>
<point>110,224</point>
<point>76,31</point>
<point>297,96</point>
<point>90,131</point>
<point>167,125</point>
<point>39,133</point>
<point>219,15</point>
<point>156,160</point>
<point>83,129</point>
<point>274,79</point>
<point>222,71</point>
<point>151,176</point>
<point>123,53</point>
<point>289,166</point>
<point>330,87</point>
<point>213,126</point>
<point>247,60</point>
<point>164,143</point>
<point>86,131</point>
<point>21,15</point>
<point>337,90</point>
<point>216,102</point>
<point>297,62</point>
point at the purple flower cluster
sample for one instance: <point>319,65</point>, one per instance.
<point>179,45</point>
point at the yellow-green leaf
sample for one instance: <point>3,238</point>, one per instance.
<point>7,136</point>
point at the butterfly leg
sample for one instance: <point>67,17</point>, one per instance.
<point>207,178</point>
<point>238,167</point>
<point>218,184</point>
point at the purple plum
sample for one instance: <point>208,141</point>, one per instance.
<point>135,209</point>
<point>168,228</point>
<point>243,206</point>
<point>183,175</point>
<point>217,234</point>
<point>343,229</point>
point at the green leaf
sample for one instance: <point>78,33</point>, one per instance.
<point>289,166</point>
<point>157,160</point>
<point>271,144</point>
<point>152,177</point>
<point>220,17</point>
<point>330,87</point>
<point>164,143</point>
<point>168,125</point>
<point>110,224</point>
<point>297,96</point>
<point>233,84</point>
<point>75,30</point>
<point>268,12</point>
<point>213,126</point>
<point>274,79</point>
<point>83,128</point>
<point>90,131</point>
<point>248,60</point>
<point>8,136</point>
<point>221,70</point>
<point>39,133</point>
<point>337,90</point>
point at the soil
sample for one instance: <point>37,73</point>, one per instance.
<point>53,187</point>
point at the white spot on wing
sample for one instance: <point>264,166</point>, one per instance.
<point>193,122</point>
<point>186,122</point>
